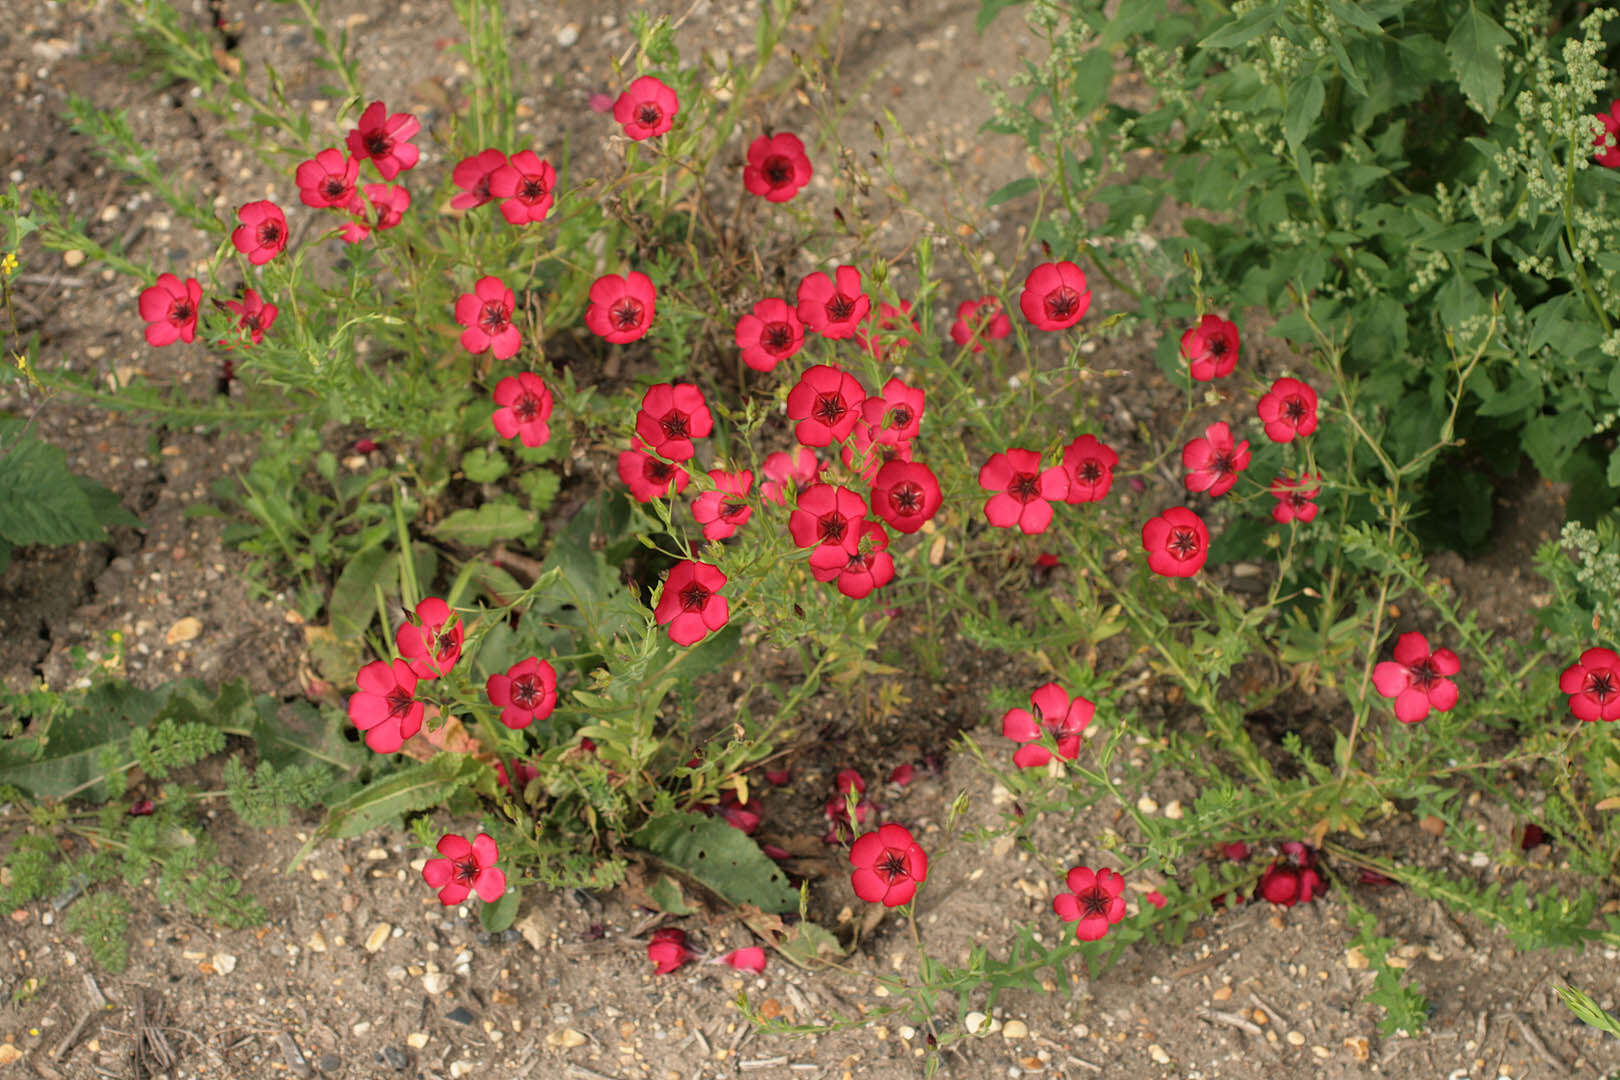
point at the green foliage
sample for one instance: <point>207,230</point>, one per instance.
<point>1581,1004</point>
<point>42,501</point>
<point>102,920</point>
<point>1405,1008</point>
<point>723,859</point>
<point>264,796</point>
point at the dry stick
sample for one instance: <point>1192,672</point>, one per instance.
<point>1276,1017</point>
<point>1537,1045</point>
<point>66,1044</point>
<point>1082,1062</point>
<point>1232,1020</point>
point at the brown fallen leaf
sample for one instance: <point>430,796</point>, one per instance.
<point>186,629</point>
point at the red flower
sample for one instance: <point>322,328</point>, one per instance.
<point>621,308</point>
<point>254,315</point>
<point>1156,898</point>
<point>902,775</point>
<point>646,109</point>
<point>826,402</point>
<point>384,140</point>
<point>1090,465</point>
<point>691,603</point>
<point>430,642</point>
<point>889,319</point>
<point>170,309</point>
<point>860,569</point>
<point>472,175</point>
<point>723,510</point>
<point>1237,850</point>
<point>1093,902</point>
<point>486,312</point>
<point>525,187</point>
<point>1608,157</point>
<point>1288,410</point>
<point>1023,490</point>
<point>1213,461</point>
<point>1292,879</point>
<point>905,494</point>
<point>526,693</point>
<point>263,232</point>
<point>897,415</point>
<point>1066,720</point>
<point>1211,348</point>
<point>327,179</point>
<point>523,409</point>
<point>777,167</point>
<point>648,477</point>
<point>1294,498</point>
<point>769,335</point>
<point>466,868</point>
<point>889,865</point>
<point>388,203</point>
<point>799,467</point>
<point>385,707</point>
<point>833,307</point>
<point>742,816</point>
<point>863,453</point>
<point>1055,296</point>
<point>1593,684</point>
<point>671,416</point>
<point>667,950</point>
<point>525,772</point>
<point>837,811</point>
<point>827,515</point>
<point>1416,678</point>
<point>849,780</point>
<point>979,321</point>
<point>141,808</point>
<point>1177,542</point>
<point>749,959</point>
<point>779,777</point>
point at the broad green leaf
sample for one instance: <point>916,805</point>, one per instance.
<point>68,757</point>
<point>541,487</point>
<point>989,9</point>
<point>485,525</point>
<point>721,858</point>
<point>1245,29</point>
<point>41,501</point>
<point>419,786</point>
<point>502,913</point>
<point>1093,75</point>
<point>482,467</point>
<point>1550,440</point>
<point>1472,50</point>
<point>1008,192</point>
<point>353,603</point>
<point>1305,98</point>
<point>666,892</point>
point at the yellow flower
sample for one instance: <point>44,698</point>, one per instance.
<point>8,265</point>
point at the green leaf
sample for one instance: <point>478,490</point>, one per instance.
<point>502,913</point>
<point>418,786</point>
<point>1093,75</point>
<point>67,756</point>
<point>989,9</point>
<point>721,858</point>
<point>1349,11</point>
<point>1008,192</point>
<point>41,501</point>
<point>486,524</point>
<point>482,467</point>
<point>105,504</point>
<point>666,892</point>
<point>1471,48</point>
<point>1550,440</point>
<point>1245,29</point>
<point>541,486</point>
<point>354,599</point>
<point>1305,100</point>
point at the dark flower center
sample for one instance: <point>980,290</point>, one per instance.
<point>1093,902</point>
<point>494,318</point>
<point>694,597</point>
<point>906,497</point>
<point>1600,684</point>
<point>182,312</point>
<point>829,408</point>
<point>378,143</point>
<point>466,869</point>
<point>833,527</point>
<point>441,643</point>
<point>1182,542</point>
<point>399,703</point>
<point>1090,471</point>
<point>1217,346</point>
<point>1423,673</point>
<point>778,170</point>
<point>648,114</point>
<point>675,425</point>
<point>1223,464</point>
<point>840,307</point>
<point>527,407</point>
<point>1299,499</point>
<point>657,472</point>
<point>481,189</point>
<point>626,313</point>
<point>892,864</point>
<point>1061,303</point>
<point>732,506</point>
<point>270,233</point>
<point>777,337</point>
<point>900,416</point>
<point>527,691</point>
<point>253,319</point>
<point>334,188</point>
<point>856,563</point>
<point>533,189</point>
<point>1025,487</point>
<point>1294,409</point>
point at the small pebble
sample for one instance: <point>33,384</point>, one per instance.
<point>330,1063</point>
<point>73,257</point>
<point>1157,1053</point>
<point>224,963</point>
<point>568,35</point>
<point>1173,810</point>
<point>362,1027</point>
<point>436,982</point>
<point>378,937</point>
<point>1295,1039</point>
<point>458,1069</point>
<point>460,1015</point>
<point>416,1040</point>
<point>397,1059</point>
<point>1147,805</point>
<point>974,1022</point>
<point>1015,1029</point>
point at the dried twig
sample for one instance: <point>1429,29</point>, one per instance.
<point>72,1037</point>
<point>1537,1045</point>
<point>1232,1020</point>
<point>1276,1017</point>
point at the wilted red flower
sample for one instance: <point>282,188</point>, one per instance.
<point>1213,461</point>
<point>833,307</point>
<point>849,780</point>
<point>1065,719</point>
<point>1177,542</point>
<point>1294,498</point>
<point>466,868</point>
<point>800,467</point>
<point>1090,465</point>
<point>621,308</point>
<point>1237,850</point>
<point>523,409</point>
<point>826,402</point>
<point>1609,156</point>
<point>263,232</point>
<point>889,865</point>
<point>526,186</point>
<point>827,515</point>
<point>691,605</point>
<point>724,509</point>
<point>1288,410</point>
<point>486,312</point>
<point>141,808</point>
<point>170,309</point>
<point>779,777</point>
<point>1156,898</point>
<point>1292,879</point>
<point>526,693</point>
<point>431,642</point>
<point>525,772</point>
<point>905,494</point>
<point>777,167</point>
<point>1023,490</point>
<point>1532,837</point>
<point>895,415</point>
<point>888,320</point>
<point>384,140</point>
<point>671,416</point>
<point>646,108</point>
<point>769,335</point>
<point>254,315</point>
<point>1093,902</point>
<point>1055,296</point>
<point>749,959</point>
<point>667,950</point>
<point>649,477</point>
<point>1593,684</point>
<point>979,321</point>
<point>740,815</point>
<point>327,179</point>
<point>1416,678</point>
<point>859,569</point>
<point>385,707</point>
<point>1211,348</point>
<point>902,774</point>
<point>472,176</point>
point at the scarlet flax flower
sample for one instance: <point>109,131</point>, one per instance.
<point>691,605</point>
<point>1213,461</point>
<point>905,494</point>
<point>1023,491</point>
<point>431,641</point>
<point>263,232</point>
<point>1067,721</point>
<point>525,185</point>
<point>980,321</point>
<point>170,309</point>
<point>1090,465</point>
<point>1593,685</point>
<point>1293,878</point>
<point>1177,542</point>
<point>1055,296</point>
<point>889,865</point>
<point>472,176</point>
<point>649,477</point>
<point>667,950</point>
<point>724,509</point>
<point>833,307</point>
<point>1211,348</point>
<point>777,167</point>
<point>782,468</point>
<point>253,315</point>
<point>1607,141</point>
<point>621,308</point>
<point>1093,902</point>
<point>486,312</point>
<point>895,414</point>
<point>1295,498</point>
<point>671,416</point>
<point>768,335</point>
<point>1417,678</point>
<point>646,108</point>
<point>327,180</point>
<point>523,409</point>
<point>826,402</point>
<point>826,514</point>
<point>385,706</point>
<point>525,693</point>
<point>749,959</point>
<point>467,867</point>
<point>1288,410</point>
<point>857,570</point>
<point>385,140</point>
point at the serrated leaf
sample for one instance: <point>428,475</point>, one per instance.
<point>486,524</point>
<point>41,501</point>
<point>1243,30</point>
<point>666,893</point>
<point>418,786</point>
<point>482,467</point>
<point>719,857</point>
<point>1305,98</point>
<point>541,486</point>
<point>1471,48</point>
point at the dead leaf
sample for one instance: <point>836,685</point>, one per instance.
<point>186,629</point>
